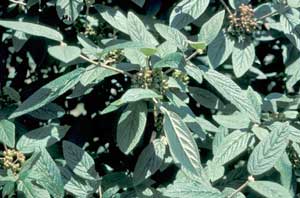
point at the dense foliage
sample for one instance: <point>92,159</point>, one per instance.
<point>150,98</point>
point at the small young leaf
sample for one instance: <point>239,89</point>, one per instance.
<point>131,126</point>
<point>269,150</point>
<point>7,133</point>
<point>33,29</point>
<point>186,11</point>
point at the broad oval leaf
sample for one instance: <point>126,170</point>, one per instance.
<point>174,60</point>
<point>131,126</point>
<point>149,161</point>
<point>7,133</point>
<point>181,142</point>
<point>48,112</point>
<point>206,98</point>
<point>243,56</point>
<point>79,161</point>
<point>237,120</point>
<point>269,189</point>
<point>186,11</point>
<point>33,29</point>
<point>29,190</point>
<point>69,10</point>
<point>64,53</point>
<point>136,94</point>
<point>48,92</point>
<point>269,150</point>
<point>41,138</point>
<point>232,92</point>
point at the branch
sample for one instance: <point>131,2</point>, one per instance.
<point>226,7</point>
<point>106,66</point>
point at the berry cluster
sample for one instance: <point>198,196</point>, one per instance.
<point>13,160</point>
<point>242,22</point>
<point>151,79</point>
<point>113,57</point>
<point>182,77</point>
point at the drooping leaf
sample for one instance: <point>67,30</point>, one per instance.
<point>206,98</point>
<point>48,92</point>
<point>131,126</point>
<point>69,10</point>
<point>210,30</point>
<point>269,189</point>
<point>7,133</point>
<point>33,29</point>
<point>181,142</point>
<point>149,161</point>
<point>269,150</point>
<point>48,112</point>
<point>79,161</point>
<point>41,138</point>
<point>186,11</point>
<point>64,53</point>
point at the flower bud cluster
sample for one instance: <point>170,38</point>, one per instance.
<point>113,57</point>
<point>242,22</point>
<point>182,77</point>
<point>13,160</point>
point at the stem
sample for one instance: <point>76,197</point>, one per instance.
<point>272,13</point>
<point>5,147</point>
<point>100,191</point>
<point>18,2</point>
<point>106,66</point>
<point>244,185</point>
<point>226,7</point>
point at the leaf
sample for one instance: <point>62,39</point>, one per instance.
<point>236,3</point>
<point>79,161</point>
<point>30,190</point>
<point>255,98</point>
<point>166,48</point>
<point>206,98</point>
<point>293,3</point>
<point>237,120</point>
<point>136,57</point>
<point>181,142</point>
<point>48,92</point>
<point>243,56</point>
<point>33,29</point>
<point>214,171</point>
<point>293,72</point>
<point>114,17</point>
<point>149,161</point>
<point>285,169</point>
<point>139,2</point>
<point>41,138</point>
<point>187,11</point>
<point>48,112</point>
<point>220,49</point>
<point>7,133</point>
<point>174,60</point>
<point>131,126</point>
<point>210,29</point>
<point>232,146</point>
<point>232,92</point>
<point>136,94</point>
<point>191,190</point>
<point>219,139</point>
<point>137,30</point>
<point>47,175</point>
<point>69,10</point>
<point>269,150</point>
<point>194,72</point>
<point>64,53</point>
<point>269,189</point>
<point>172,35</point>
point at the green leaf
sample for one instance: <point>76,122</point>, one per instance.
<point>236,3</point>
<point>210,30</point>
<point>49,92</point>
<point>64,53</point>
<point>219,139</point>
<point>187,11</point>
<point>135,56</point>
<point>48,112</point>
<point>269,150</point>
<point>137,30</point>
<point>255,98</point>
<point>41,138</point>
<point>114,17</point>
<point>194,72</point>
<point>136,94</point>
<point>47,175</point>
<point>269,189</point>
<point>8,189</point>
<point>7,133</point>
<point>172,35</point>
<point>139,2</point>
<point>293,3</point>
<point>220,49</point>
<point>285,169</point>
<point>191,190</point>
<point>232,146</point>
<point>69,10</point>
<point>33,29</point>
<point>174,60</point>
<point>237,120</point>
<point>131,126</point>
<point>181,142</point>
<point>166,48</point>
<point>149,161</point>
<point>29,190</point>
<point>293,72</point>
<point>79,161</point>
<point>232,92</point>
<point>206,98</point>
<point>243,56</point>
<point>214,171</point>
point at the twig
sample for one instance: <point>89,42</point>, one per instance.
<point>226,7</point>
<point>18,2</point>
<point>106,66</point>
<point>5,147</point>
<point>250,179</point>
<point>100,191</point>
